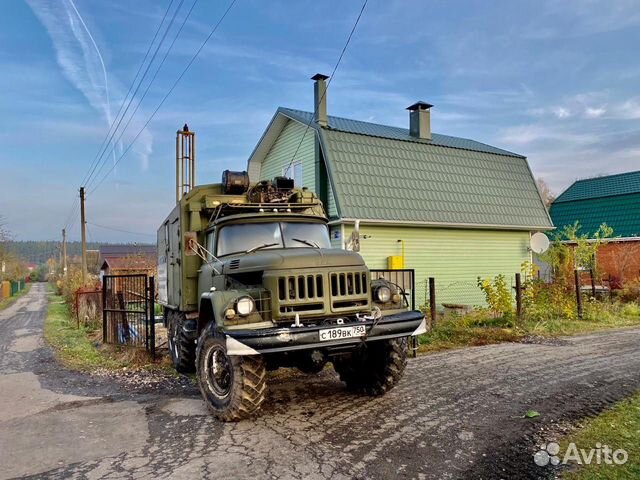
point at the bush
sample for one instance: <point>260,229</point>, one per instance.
<point>630,292</point>
<point>497,295</point>
<point>544,301</point>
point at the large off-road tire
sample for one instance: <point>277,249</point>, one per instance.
<point>233,386</point>
<point>375,368</point>
<point>181,348</point>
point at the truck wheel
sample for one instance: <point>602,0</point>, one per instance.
<point>233,386</point>
<point>376,368</point>
<point>181,348</point>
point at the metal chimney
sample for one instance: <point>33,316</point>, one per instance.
<point>420,120</point>
<point>320,99</point>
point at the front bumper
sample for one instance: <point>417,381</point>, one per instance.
<point>284,339</point>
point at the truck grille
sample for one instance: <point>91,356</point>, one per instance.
<point>349,290</point>
<point>300,287</point>
<point>322,293</point>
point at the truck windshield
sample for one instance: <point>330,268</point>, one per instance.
<point>241,238</point>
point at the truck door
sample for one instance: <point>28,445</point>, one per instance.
<point>173,262</point>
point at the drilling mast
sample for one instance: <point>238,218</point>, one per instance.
<point>185,161</point>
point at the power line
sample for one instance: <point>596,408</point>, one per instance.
<point>164,58</point>
<point>72,213</point>
<point>74,208</point>
<point>116,229</point>
<point>213,30</point>
<point>105,143</point>
<point>344,49</point>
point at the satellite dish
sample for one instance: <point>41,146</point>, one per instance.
<point>539,242</point>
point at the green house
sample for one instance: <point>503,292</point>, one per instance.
<point>612,199</point>
<point>451,208</point>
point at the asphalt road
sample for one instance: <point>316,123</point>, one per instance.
<point>454,415</point>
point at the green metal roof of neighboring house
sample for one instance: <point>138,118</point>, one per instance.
<point>619,184</point>
<point>396,133</point>
<point>614,200</point>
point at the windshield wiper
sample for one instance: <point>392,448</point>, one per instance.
<point>259,247</point>
<point>311,243</point>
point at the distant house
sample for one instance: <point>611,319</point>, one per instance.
<point>456,208</point>
<point>127,259</point>
<point>614,200</point>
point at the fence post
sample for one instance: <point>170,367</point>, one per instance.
<point>104,309</point>
<point>593,283</point>
<point>432,301</point>
<point>518,297</point>
<point>152,326</point>
<point>576,277</point>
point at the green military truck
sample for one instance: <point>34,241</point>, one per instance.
<point>249,282</point>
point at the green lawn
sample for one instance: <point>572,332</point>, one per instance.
<point>618,428</point>
<point>478,328</point>
<point>8,301</point>
<point>81,349</point>
<point>71,344</point>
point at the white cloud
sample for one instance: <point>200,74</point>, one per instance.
<point>81,61</point>
<point>594,112</point>
<point>561,112</point>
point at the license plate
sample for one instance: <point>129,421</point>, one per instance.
<point>342,332</point>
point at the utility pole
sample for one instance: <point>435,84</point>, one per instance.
<point>64,252</point>
<point>83,235</point>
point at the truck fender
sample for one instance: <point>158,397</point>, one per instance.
<point>206,315</point>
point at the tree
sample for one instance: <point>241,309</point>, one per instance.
<point>4,238</point>
<point>545,192</point>
<point>571,249</point>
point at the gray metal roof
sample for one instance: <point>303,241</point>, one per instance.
<point>395,133</point>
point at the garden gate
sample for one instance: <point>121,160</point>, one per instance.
<point>128,311</point>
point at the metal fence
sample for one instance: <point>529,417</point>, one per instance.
<point>406,280</point>
<point>128,311</point>
<point>9,288</point>
<point>403,278</point>
<point>442,297</point>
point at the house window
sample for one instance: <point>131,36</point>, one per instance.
<point>294,171</point>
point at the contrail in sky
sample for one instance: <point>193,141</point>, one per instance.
<point>104,69</point>
<point>82,63</point>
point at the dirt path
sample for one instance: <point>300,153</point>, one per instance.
<point>455,415</point>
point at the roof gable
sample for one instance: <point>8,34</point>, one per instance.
<point>598,187</point>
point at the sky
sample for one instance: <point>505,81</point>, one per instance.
<point>555,81</point>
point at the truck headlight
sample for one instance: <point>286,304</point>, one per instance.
<point>383,294</point>
<point>245,305</point>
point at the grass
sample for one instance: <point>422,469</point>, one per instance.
<point>480,328</point>
<point>619,428</point>
<point>10,300</point>
<point>80,348</point>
